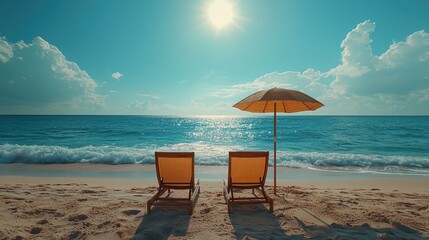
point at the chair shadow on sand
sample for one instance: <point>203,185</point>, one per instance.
<point>364,231</point>
<point>255,221</point>
<point>163,222</point>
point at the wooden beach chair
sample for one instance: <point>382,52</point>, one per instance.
<point>175,170</point>
<point>247,170</point>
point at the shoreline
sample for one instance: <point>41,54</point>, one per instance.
<point>204,172</point>
<point>385,184</point>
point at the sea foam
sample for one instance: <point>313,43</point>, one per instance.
<point>209,155</point>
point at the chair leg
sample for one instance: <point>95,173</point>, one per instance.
<point>149,208</point>
<point>226,196</point>
<point>154,198</point>
<point>198,184</point>
<point>193,199</point>
<point>225,192</point>
<point>269,200</point>
<point>229,207</point>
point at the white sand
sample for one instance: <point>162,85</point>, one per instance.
<point>91,208</point>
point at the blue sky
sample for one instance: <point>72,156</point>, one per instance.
<point>166,57</point>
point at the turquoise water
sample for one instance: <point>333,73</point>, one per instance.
<point>395,145</point>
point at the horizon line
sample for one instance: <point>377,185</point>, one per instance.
<point>230,116</point>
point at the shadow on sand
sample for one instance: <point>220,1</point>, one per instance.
<point>163,222</point>
<point>255,221</point>
<point>364,231</point>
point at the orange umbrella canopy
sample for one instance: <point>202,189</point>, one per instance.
<point>278,100</point>
<point>286,100</point>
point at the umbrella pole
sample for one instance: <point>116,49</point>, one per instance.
<point>275,147</point>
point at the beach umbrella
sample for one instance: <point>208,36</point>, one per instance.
<point>278,100</point>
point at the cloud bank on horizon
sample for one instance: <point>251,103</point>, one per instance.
<point>36,78</point>
<point>396,82</point>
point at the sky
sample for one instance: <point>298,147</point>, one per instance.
<point>158,57</point>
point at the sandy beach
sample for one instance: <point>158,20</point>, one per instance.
<point>98,208</point>
<point>107,105</point>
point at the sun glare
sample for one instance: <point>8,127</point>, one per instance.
<point>220,13</point>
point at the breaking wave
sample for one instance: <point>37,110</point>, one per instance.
<point>209,155</point>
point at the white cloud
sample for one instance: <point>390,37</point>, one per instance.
<point>147,95</point>
<point>421,95</point>
<point>6,51</point>
<point>403,68</point>
<point>357,51</point>
<point>144,105</point>
<point>38,74</point>
<point>192,107</point>
<point>289,79</point>
<point>311,74</point>
<point>396,82</point>
<point>117,75</point>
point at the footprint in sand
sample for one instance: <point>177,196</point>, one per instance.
<point>12,196</point>
<point>36,230</point>
<point>205,210</point>
<point>414,213</point>
<point>130,212</point>
<point>13,209</point>
<point>89,191</point>
<point>74,235</point>
<point>405,204</point>
<point>378,217</point>
<point>77,217</point>
<point>101,225</point>
<point>42,222</point>
<point>421,208</point>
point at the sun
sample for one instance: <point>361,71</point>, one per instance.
<point>221,13</point>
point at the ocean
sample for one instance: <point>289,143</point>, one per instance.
<point>380,144</point>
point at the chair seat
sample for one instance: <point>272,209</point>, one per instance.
<point>175,170</point>
<point>247,170</point>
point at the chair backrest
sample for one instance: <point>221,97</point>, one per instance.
<point>175,167</point>
<point>247,167</point>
